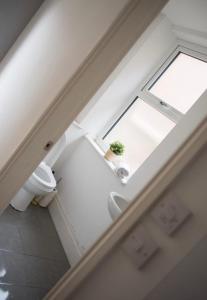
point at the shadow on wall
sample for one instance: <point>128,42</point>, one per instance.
<point>70,139</point>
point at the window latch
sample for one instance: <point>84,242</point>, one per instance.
<point>163,104</point>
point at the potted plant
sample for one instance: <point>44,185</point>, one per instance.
<point>116,149</point>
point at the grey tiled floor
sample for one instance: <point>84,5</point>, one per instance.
<point>32,259</point>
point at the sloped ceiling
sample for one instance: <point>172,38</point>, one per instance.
<point>14,16</point>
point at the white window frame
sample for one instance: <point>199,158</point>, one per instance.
<point>142,92</point>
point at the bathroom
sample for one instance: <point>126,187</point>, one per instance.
<point>82,164</point>
<point>85,179</point>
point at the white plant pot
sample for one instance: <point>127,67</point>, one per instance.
<point>111,156</point>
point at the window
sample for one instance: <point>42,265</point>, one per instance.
<point>158,106</point>
<point>182,83</point>
<point>141,129</point>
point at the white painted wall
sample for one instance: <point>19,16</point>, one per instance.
<point>56,151</point>
<point>45,57</point>
<point>189,14</point>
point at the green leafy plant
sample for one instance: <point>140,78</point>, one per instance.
<point>117,148</point>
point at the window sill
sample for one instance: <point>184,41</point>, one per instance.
<point>108,163</point>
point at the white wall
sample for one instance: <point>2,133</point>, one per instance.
<point>45,57</point>
<point>56,151</point>
<point>195,18</point>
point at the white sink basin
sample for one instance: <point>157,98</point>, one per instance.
<point>116,205</point>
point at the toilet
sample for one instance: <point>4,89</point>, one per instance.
<point>41,182</point>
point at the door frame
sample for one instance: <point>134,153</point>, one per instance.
<point>79,90</point>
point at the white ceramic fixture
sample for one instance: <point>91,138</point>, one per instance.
<point>41,182</point>
<point>116,205</point>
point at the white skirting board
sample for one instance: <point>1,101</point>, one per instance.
<point>65,232</point>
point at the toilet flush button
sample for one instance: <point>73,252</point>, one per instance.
<point>48,145</point>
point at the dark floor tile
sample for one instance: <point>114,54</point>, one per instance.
<point>12,268</point>
<point>59,269</point>
<point>45,222</point>
<point>32,258</point>
<point>39,243</point>
<point>10,238</point>
<point>12,216</point>
<point>11,292</point>
<point>39,271</point>
<point>43,273</point>
<point>35,293</point>
<point>14,292</point>
<point>30,271</point>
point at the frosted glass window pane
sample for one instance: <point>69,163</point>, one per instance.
<point>182,83</point>
<point>141,129</point>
